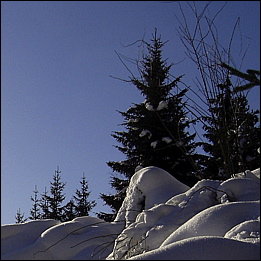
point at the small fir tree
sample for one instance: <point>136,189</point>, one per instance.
<point>19,217</point>
<point>57,197</point>
<point>83,205</point>
<point>35,211</point>
<point>45,206</point>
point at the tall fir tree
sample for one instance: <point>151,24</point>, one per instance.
<point>57,197</point>
<point>35,210</point>
<point>82,205</point>
<point>155,132</point>
<point>232,134</point>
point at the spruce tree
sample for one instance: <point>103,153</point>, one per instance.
<point>19,217</point>
<point>82,204</point>
<point>56,198</point>
<point>45,206</point>
<point>69,212</point>
<point>155,131</point>
<point>35,211</point>
<point>232,134</point>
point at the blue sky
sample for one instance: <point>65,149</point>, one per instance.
<point>58,101</point>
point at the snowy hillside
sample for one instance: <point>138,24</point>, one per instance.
<point>160,219</point>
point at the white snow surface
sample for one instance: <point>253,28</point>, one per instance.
<point>162,105</point>
<point>145,132</point>
<point>149,107</point>
<point>167,139</point>
<point>160,219</point>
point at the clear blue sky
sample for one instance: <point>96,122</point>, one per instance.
<point>58,101</point>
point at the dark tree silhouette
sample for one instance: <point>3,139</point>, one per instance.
<point>57,197</point>
<point>82,204</point>
<point>19,217</point>
<point>35,211</point>
<point>156,130</point>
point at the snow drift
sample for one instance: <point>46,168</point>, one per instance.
<point>160,219</point>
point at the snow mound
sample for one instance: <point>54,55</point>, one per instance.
<point>148,187</point>
<point>240,189</point>
<point>247,231</point>
<point>160,219</point>
<point>16,236</point>
<point>77,239</point>
<point>152,226</point>
<point>204,248</point>
<point>216,220</point>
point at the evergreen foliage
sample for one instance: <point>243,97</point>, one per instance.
<point>57,197</point>
<point>19,217</point>
<point>69,212</point>
<point>156,130</point>
<point>82,205</point>
<point>232,133</point>
<point>35,211</point>
<point>44,204</point>
<point>251,76</point>
<point>50,206</point>
<point>228,123</point>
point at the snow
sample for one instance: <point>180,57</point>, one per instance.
<point>154,144</point>
<point>167,139</point>
<point>204,248</point>
<point>160,219</point>
<point>145,132</point>
<point>162,105</point>
<point>149,186</point>
<point>149,107</point>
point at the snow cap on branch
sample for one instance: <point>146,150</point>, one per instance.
<point>167,139</point>
<point>162,105</point>
<point>149,107</point>
<point>145,132</point>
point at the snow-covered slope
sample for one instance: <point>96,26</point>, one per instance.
<point>160,219</point>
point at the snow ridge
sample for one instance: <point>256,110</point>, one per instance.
<point>160,219</point>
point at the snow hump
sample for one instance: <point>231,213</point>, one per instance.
<point>148,187</point>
